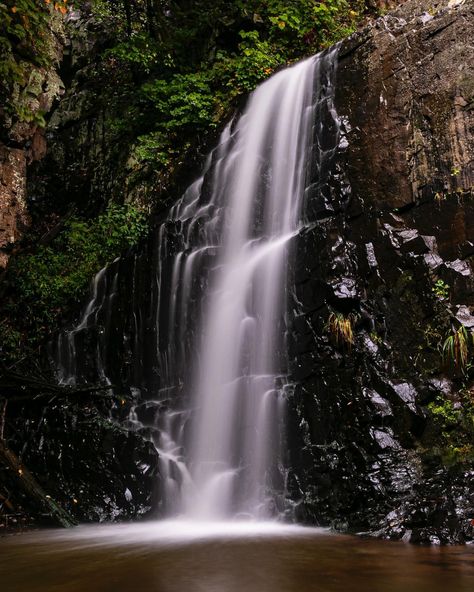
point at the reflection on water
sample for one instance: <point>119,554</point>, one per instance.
<point>224,557</point>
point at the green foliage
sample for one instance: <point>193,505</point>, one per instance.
<point>185,105</point>
<point>340,328</point>
<point>192,61</point>
<point>173,71</point>
<point>429,339</point>
<point>184,102</point>
<point>455,171</point>
<point>23,23</point>
<point>25,43</point>
<point>456,424</point>
<point>140,51</point>
<point>154,148</point>
<point>57,275</point>
<point>445,411</point>
<point>440,289</point>
<point>257,61</point>
<point>10,341</point>
<point>304,26</point>
<point>375,337</point>
<point>180,108</point>
<point>458,348</point>
<point>455,418</point>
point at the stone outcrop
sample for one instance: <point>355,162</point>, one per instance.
<point>91,132</point>
<point>399,218</point>
<point>23,141</point>
<point>13,210</point>
<point>88,464</point>
<point>387,249</point>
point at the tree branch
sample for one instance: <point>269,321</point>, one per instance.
<point>33,490</point>
<point>3,413</point>
<point>14,385</point>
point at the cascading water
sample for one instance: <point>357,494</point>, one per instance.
<point>204,344</point>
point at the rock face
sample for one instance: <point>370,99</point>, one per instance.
<point>383,276</point>
<point>396,219</point>
<point>13,210</point>
<point>85,162</point>
<point>22,141</point>
<point>91,158</point>
<point>92,466</point>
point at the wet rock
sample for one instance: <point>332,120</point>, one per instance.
<point>419,245</point>
<point>381,405</point>
<point>344,289</point>
<point>90,465</point>
<point>147,412</point>
<point>407,394</point>
<point>459,266</point>
<point>464,316</point>
<point>466,249</point>
<point>371,258</point>
<point>361,436</point>
<point>14,215</point>
<point>22,139</point>
<point>433,261</point>
<point>439,386</point>
<point>384,439</point>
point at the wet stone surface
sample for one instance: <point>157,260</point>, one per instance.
<point>389,212</point>
<point>364,446</point>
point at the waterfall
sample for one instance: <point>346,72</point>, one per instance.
<point>195,323</point>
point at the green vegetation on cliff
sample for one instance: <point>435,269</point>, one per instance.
<point>52,280</point>
<point>27,29</point>
<point>191,61</point>
<point>166,75</point>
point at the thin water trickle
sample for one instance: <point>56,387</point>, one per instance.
<point>214,399</point>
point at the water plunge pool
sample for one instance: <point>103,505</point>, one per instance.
<point>185,556</point>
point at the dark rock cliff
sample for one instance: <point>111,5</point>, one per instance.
<point>22,139</point>
<point>367,450</point>
<point>386,257</point>
<point>88,160</point>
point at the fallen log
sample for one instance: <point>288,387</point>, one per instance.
<point>33,490</point>
<point>16,387</point>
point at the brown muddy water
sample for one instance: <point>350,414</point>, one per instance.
<point>225,557</point>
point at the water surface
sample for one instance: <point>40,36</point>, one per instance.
<point>225,557</point>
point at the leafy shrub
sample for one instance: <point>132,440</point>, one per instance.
<point>192,61</point>
<point>140,51</point>
<point>441,289</point>
<point>185,101</point>
<point>57,275</point>
<point>305,26</point>
<point>456,423</point>
<point>257,61</point>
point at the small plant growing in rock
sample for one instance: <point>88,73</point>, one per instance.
<point>455,420</point>
<point>340,328</point>
<point>375,337</point>
<point>457,346</point>
<point>440,289</point>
